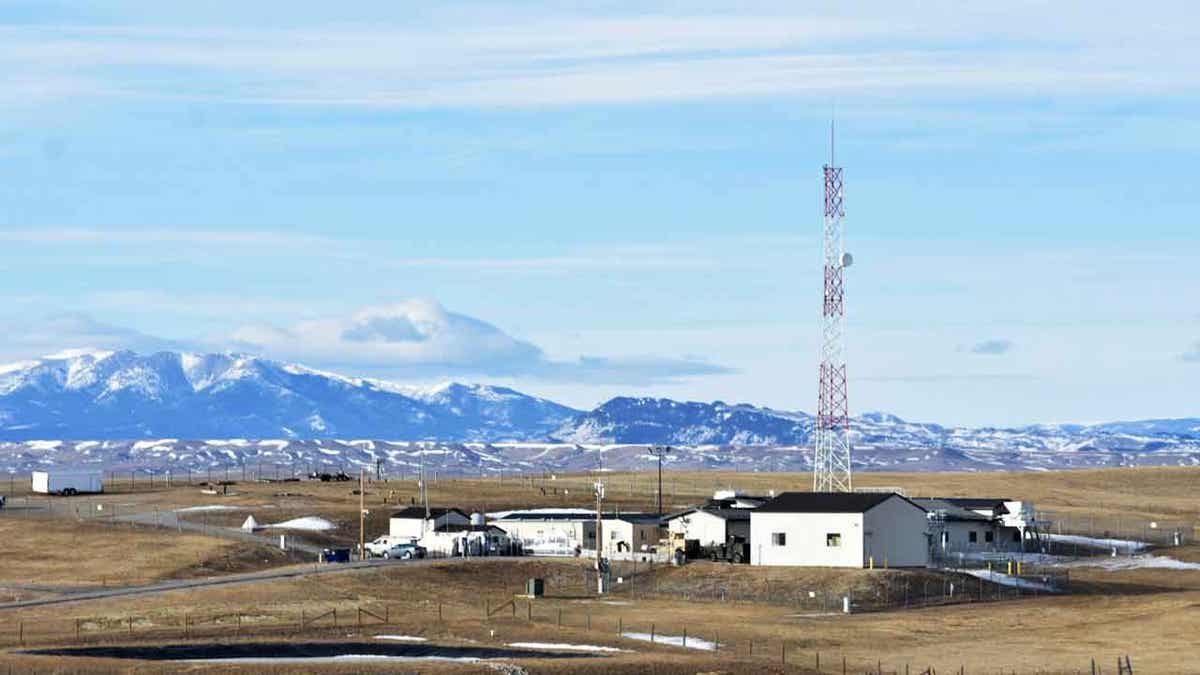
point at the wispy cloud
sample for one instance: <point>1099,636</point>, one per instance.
<point>511,59</point>
<point>149,236</point>
<point>420,338</point>
<point>993,347</point>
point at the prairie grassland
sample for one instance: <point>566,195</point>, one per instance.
<point>1149,614</point>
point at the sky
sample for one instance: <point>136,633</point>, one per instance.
<point>618,200</point>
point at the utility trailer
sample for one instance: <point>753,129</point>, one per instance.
<point>68,482</point>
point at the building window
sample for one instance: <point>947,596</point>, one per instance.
<point>989,536</point>
<point>973,536</point>
<point>1017,536</point>
<point>833,539</point>
<point>779,538</point>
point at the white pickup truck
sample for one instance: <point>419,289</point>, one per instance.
<point>384,545</point>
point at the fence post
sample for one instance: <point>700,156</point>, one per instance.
<point>843,664</point>
<point>620,627</point>
<point>751,646</point>
<point>818,662</point>
<point>685,636</point>
<point>334,618</point>
<point>717,641</point>
<point>131,625</point>
<point>783,652</point>
<point>187,620</point>
<point>239,622</point>
<point>387,614</point>
<point>652,633</point>
<point>528,610</point>
<point>21,635</point>
<point>302,620</point>
<point>77,630</point>
<point>358,618</point>
<point>589,620</point>
<point>439,612</point>
<point>487,608</point>
<point>560,617</point>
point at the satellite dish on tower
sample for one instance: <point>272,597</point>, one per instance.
<point>847,260</point>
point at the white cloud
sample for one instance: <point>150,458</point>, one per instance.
<point>420,338</point>
<point>149,236</point>
<point>25,338</point>
<point>513,58</point>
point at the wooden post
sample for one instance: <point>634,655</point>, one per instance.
<point>187,620</point>
<point>783,652</point>
<point>439,612</point>
<point>239,623</point>
<point>303,621</point>
<point>717,641</point>
<point>560,617</point>
<point>131,625</point>
<point>818,668</point>
<point>651,633</point>
<point>843,664</point>
<point>358,618</point>
<point>751,646</point>
<point>21,635</point>
<point>529,611</point>
<point>589,620</point>
<point>77,630</point>
<point>685,636</point>
<point>620,627</point>
<point>487,608</point>
<point>334,618</point>
<point>387,614</point>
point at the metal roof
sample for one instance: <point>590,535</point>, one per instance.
<point>418,512</point>
<point>827,502</point>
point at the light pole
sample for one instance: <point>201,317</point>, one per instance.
<point>658,451</point>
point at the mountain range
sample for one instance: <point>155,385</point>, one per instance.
<point>123,409</point>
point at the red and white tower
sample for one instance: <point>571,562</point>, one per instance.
<point>831,449</point>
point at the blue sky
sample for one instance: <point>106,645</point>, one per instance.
<point>622,200</point>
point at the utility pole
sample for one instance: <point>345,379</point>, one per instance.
<point>362,513</point>
<point>658,451</point>
<point>600,589</point>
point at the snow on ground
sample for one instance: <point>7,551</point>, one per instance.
<point>1136,562</point>
<point>310,523</point>
<point>341,658</point>
<point>1013,582</point>
<point>208,507</point>
<point>565,646</point>
<point>674,640</point>
<point>401,638</point>
<point>1119,544</point>
<point>523,512</point>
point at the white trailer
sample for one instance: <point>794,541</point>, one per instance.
<point>68,482</point>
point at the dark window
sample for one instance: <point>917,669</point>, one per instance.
<point>833,539</point>
<point>989,536</point>
<point>779,538</point>
<point>1017,536</point>
<point>973,536</point>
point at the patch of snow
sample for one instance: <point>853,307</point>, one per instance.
<point>44,445</point>
<point>309,523</point>
<point>534,512</point>
<point>208,507</point>
<point>565,646</point>
<point>401,638</point>
<point>1119,544</point>
<point>1010,581</point>
<point>673,640</point>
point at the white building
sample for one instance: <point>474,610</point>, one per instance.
<point>839,529</point>
<point>410,523</point>
<point>470,540</point>
<point>571,531</point>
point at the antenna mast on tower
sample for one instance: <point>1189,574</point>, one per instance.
<point>831,449</point>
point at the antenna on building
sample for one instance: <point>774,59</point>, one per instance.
<point>831,447</point>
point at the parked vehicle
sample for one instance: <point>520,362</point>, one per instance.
<point>67,482</point>
<point>405,552</point>
<point>386,543</point>
<point>335,555</point>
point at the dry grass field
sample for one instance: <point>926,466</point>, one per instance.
<point>1150,614</point>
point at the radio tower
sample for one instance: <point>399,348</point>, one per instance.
<point>831,450</point>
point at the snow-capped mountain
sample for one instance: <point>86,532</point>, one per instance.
<point>125,410</point>
<point>102,395</point>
